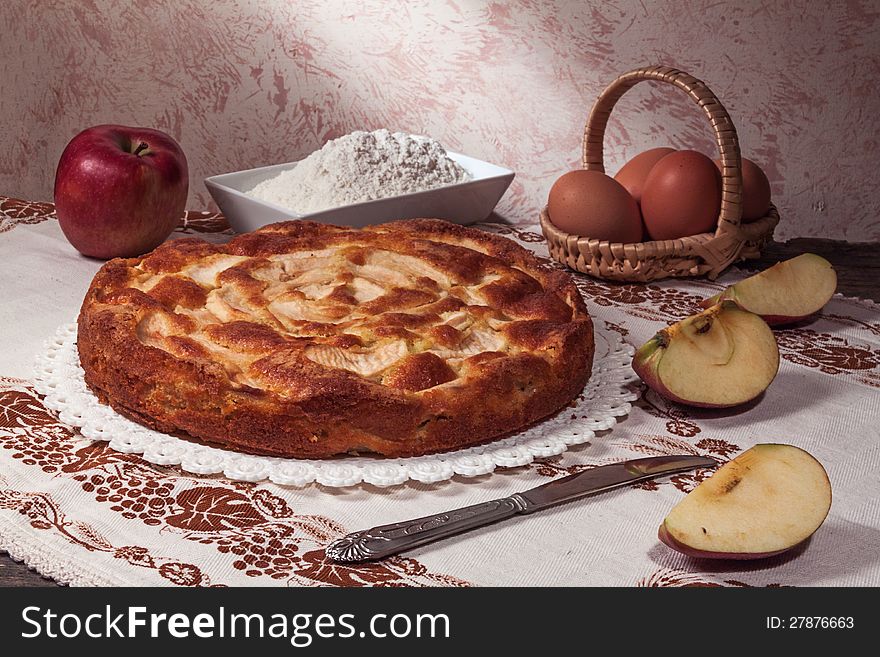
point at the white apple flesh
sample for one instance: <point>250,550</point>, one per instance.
<point>120,191</point>
<point>787,292</point>
<point>764,502</point>
<point>721,357</point>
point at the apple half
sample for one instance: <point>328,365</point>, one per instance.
<point>766,501</point>
<point>721,357</point>
<point>787,292</point>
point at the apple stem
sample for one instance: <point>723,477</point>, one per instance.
<point>142,149</point>
<point>662,338</point>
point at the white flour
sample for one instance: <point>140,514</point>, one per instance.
<point>361,166</point>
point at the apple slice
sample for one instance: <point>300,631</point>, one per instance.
<point>787,292</point>
<point>767,500</point>
<point>721,357</point>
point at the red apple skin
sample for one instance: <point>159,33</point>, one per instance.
<point>667,539</point>
<point>120,191</point>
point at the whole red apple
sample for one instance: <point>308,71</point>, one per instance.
<point>120,191</point>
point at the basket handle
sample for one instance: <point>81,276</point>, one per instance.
<point>725,133</point>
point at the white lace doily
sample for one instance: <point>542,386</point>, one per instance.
<point>605,398</point>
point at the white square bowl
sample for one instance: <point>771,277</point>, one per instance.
<point>461,203</point>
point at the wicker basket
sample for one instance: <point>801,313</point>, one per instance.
<point>695,255</point>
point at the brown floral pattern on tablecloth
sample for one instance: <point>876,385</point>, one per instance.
<point>666,577</point>
<point>677,417</point>
<point>830,354</point>
<point>645,301</point>
<point>871,327</point>
<point>203,222</point>
<point>45,514</point>
<point>14,212</point>
<point>522,234</point>
<point>256,530</point>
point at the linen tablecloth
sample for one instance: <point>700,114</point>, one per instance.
<point>83,514</point>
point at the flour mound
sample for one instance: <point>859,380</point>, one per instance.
<point>361,166</point>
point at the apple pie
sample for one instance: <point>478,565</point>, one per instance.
<point>309,340</point>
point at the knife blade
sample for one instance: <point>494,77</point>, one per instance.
<point>385,540</point>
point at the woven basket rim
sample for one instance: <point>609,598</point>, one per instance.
<point>661,247</point>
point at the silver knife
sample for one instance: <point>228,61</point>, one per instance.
<point>385,540</point>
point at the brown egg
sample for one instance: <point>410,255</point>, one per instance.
<point>755,191</point>
<point>634,173</point>
<point>594,205</point>
<point>682,196</point>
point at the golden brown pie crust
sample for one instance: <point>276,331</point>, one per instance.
<point>309,340</point>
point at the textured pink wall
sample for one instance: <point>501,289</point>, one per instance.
<point>246,84</point>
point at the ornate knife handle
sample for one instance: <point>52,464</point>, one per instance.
<point>385,540</point>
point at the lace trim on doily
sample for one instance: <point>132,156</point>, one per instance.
<point>605,398</point>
